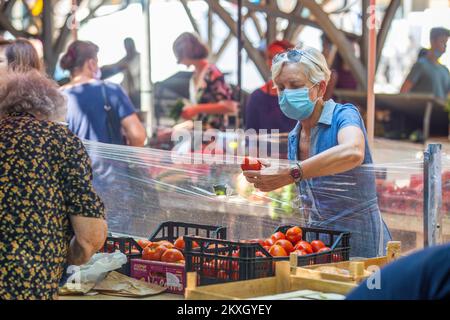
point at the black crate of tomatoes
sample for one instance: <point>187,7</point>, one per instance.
<point>163,260</point>
<point>312,245</point>
<point>126,245</point>
<point>218,261</point>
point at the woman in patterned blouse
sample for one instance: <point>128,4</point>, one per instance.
<point>50,215</point>
<point>210,95</point>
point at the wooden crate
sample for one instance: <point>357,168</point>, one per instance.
<point>283,282</point>
<point>357,270</point>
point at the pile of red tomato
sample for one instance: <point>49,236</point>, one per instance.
<point>282,244</point>
<point>164,250</point>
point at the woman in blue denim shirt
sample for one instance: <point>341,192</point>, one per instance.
<point>332,163</point>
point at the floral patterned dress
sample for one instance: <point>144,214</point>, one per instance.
<point>214,90</point>
<point>45,176</point>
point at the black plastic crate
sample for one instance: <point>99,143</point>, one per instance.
<point>337,241</point>
<point>171,230</point>
<point>217,261</point>
<point>126,245</point>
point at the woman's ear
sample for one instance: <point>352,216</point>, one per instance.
<point>322,89</point>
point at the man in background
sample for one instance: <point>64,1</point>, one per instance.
<point>130,66</point>
<point>428,75</point>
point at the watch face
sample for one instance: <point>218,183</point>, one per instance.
<point>295,173</point>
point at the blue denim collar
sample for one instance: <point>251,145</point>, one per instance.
<point>327,113</point>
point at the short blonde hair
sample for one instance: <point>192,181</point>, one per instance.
<point>31,92</point>
<point>313,63</point>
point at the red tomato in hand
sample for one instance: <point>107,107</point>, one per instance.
<point>286,244</point>
<point>277,251</point>
<point>294,234</point>
<point>304,245</point>
<point>277,236</point>
<point>251,164</point>
<point>317,245</point>
<point>172,255</point>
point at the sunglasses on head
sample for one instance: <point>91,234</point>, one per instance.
<point>294,55</point>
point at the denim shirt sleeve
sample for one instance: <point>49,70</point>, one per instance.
<point>347,116</point>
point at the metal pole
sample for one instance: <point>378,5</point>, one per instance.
<point>371,65</point>
<point>74,22</point>
<point>432,193</point>
<point>239,62</point>
<point>146,63</point>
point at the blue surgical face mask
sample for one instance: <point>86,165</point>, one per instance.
<point>296,104</point>
<point>438,53</point>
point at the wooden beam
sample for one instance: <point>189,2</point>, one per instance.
<point>364,43</point>
<point>343,44</point>
<point>271,22</point>
<point>299,20</point>
<point>252,52</point>
<point>293,27</point>
<point>47,36</point>
<point>190,16</point>
<point>385,26</point>
<point>6,25</point>
<point>222,48</point>
<point>258,27</point>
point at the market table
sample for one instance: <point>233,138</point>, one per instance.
<point>425,107</point>
<point>162,296</point>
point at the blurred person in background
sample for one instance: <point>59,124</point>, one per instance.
<point>22,56</point>
<point>341,75</point>
<point>50,215</point>
<point>331,161</point>
<point>130,67</point>
<point>97,110</point>
<point>3,61</point>
<point>210,95</point>
<point>262,110</point>
<point>428,75</point>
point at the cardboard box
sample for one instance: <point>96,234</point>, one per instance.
<point>169,275</point>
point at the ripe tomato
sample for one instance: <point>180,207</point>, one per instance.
<point>324,249</point>
<point>269,242</point>
<point>294,234</point>
<point>179,243</point>
<point>300,252</point>
<point>172,255</point>
<point>260,241</point>
<point>251,164</point>
<point>304,245</point>
<point>286,244</point>
<point>154,254</point>
<point>277,251</point>
<point>222,274</point>
<point>208,269</point>
<point>336,257</point>
<point>317,245</point>
<point>267,248</point>
<point>277,236</point>
<point>167,244</point>
<point>143,243</point>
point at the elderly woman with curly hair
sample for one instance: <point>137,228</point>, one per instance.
<point>50,215</point>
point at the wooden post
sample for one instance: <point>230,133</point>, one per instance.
<point>393,250</point>
<point>371,65</point>
<point>282,275</point>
